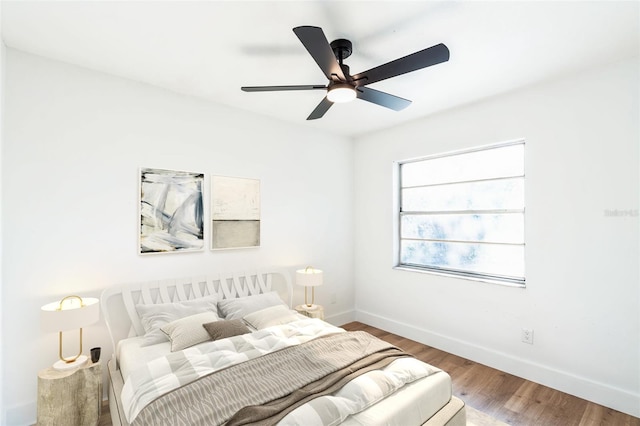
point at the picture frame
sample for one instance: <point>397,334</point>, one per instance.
<point>235,213</point>
<point>170,211</point>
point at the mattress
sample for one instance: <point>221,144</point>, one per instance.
<point>132,355</point>
<point>414,403</point>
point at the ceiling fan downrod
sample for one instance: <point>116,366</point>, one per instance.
<point>342,49</point>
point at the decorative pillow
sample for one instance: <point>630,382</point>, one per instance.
<point>274,315</point>
<point>188,331</point>
<point>225,328</point>
<point>155,316</point>
<point>241,306</point>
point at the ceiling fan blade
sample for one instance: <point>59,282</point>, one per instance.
<point>316,43</point>
<point>322,107</point>
<point>424,58</point>
<point>280,88</point>
<point>381,98</point>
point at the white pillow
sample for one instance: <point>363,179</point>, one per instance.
<point>241,306</point>
<point>275,315</point>
<point>155,316</point>
<point>188,331</point>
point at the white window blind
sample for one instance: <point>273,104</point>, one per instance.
<point>463,213</point>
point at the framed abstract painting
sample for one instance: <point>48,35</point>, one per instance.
<point>171,211</point>
<point>235,212</point>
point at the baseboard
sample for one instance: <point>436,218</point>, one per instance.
<point>582,387</point>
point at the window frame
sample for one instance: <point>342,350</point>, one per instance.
<point>452,272</point>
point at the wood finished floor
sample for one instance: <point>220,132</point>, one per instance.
<point>508,398</point>
<point>515,401</point>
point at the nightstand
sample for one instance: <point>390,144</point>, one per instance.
<point>70,397</point>
<point>315,311</point>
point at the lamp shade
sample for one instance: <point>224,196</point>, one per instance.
<point>309,277</point>
<point>70,313</point>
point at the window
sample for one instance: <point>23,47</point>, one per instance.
<point>463,214</point>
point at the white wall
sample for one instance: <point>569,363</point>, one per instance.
<point>73,142</point>
<point>2,74</point>
<point>582,296</point>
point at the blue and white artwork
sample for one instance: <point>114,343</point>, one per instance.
<point>171,211</point>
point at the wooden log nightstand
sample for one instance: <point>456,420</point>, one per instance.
<point>313,311</point>
<point>70,397</point>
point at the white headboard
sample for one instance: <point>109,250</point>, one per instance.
<point>118,303</point>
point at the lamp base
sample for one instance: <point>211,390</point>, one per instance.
<point>62,366</point>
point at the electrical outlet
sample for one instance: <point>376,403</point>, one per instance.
<point>527,335</point>
<point>334,298</point>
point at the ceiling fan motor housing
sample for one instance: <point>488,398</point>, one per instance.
<point>342,48</point>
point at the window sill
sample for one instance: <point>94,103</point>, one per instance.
<point>461,276</point>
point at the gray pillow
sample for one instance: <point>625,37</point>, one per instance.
<point>241,306</point>
<point>225,328</point>
<point>155,316</point>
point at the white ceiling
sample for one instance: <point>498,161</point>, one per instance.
<point>211,48</point>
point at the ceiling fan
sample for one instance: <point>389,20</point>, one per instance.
<point>344,87</point>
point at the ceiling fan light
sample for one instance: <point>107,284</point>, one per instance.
<point>341,93</point>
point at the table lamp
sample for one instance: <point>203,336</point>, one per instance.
<point>309,277</point>
<point>70,313</point>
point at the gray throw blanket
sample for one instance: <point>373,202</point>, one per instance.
<point>263,390</point>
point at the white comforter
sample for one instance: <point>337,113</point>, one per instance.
<point>169,372</point>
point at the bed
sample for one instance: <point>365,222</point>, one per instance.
<point>226,348</point>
